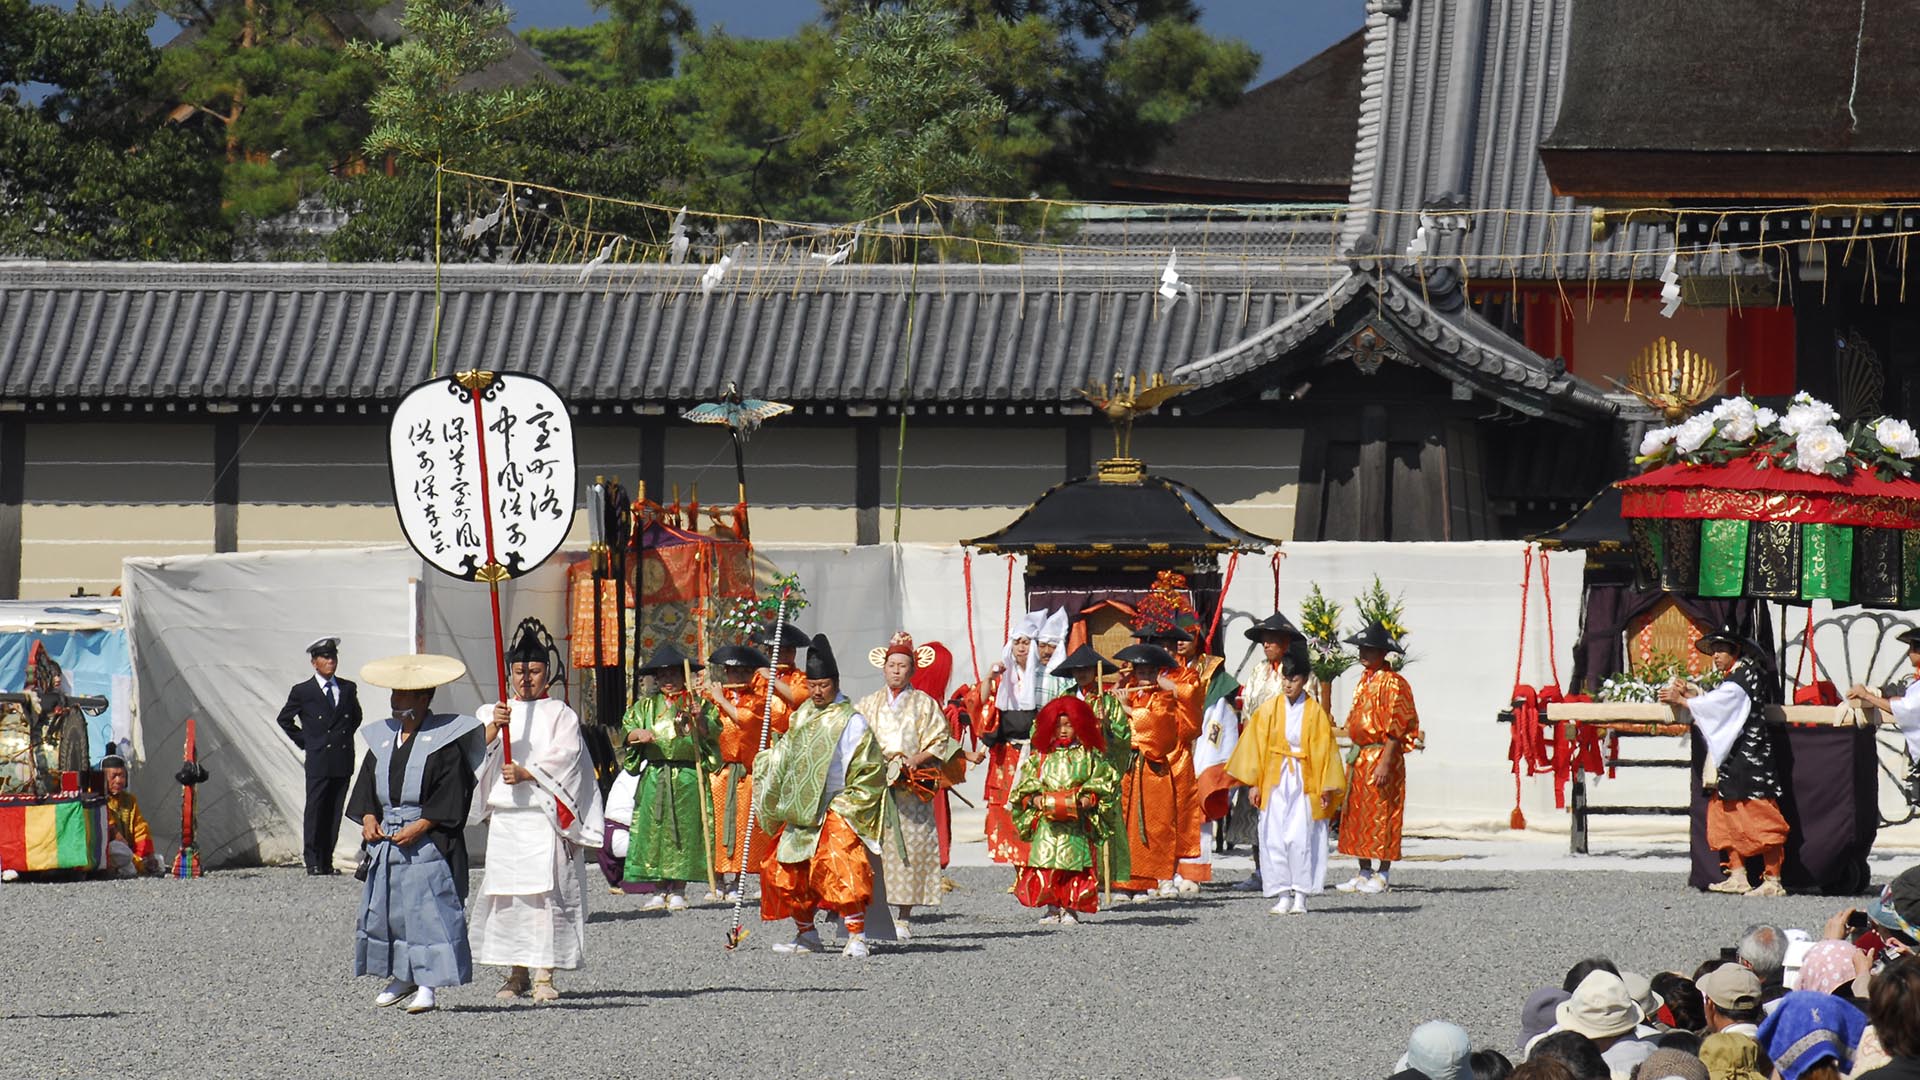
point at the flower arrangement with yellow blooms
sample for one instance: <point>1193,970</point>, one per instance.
<point>1320,622</point>
<point>1378,605</point>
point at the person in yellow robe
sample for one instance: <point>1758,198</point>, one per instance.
<point>129,841</point>
<point>1383,726</point>
<point>1287,758</point>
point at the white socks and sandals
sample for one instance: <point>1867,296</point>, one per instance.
<point>1367,880</point>
<point>419,999</point>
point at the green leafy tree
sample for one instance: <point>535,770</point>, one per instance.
<point>582,54</point>
<point>424,122</point>
<point>637,41</point>
<point>915,116</point>
<point>788,129</point>
<point>1088,83</point>
<point>273,80</point>
<point>644,34</point>
<point>757,118</point>
<point>88,170</point>
<point>1149,81</point>
<point>615,142</point>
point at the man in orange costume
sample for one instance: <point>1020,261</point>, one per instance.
<point>1163,726</point>
<point>741,702</point>
<point>1383,726</point>
<point>1166,618</point>
<point>785,678</point>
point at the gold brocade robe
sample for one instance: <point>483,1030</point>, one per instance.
<point>1263,753</point>
<point>904,727</point>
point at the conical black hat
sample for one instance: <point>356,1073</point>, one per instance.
<point>1147,656</point>
<point>1375,636</point>
<point>738,656</point>
<point>1276,623</point>
<point>530,643</point>
<point>1081,659</point>
<point>668,658</point>
<point>820,661</point>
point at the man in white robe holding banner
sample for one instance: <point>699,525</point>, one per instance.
<point>542,807</point>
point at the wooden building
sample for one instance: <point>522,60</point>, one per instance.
<point>1343,389</point>
<point>1802,137</point>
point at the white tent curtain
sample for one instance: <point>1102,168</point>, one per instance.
<point>222,638</point>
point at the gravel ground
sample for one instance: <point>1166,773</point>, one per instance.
<point>245,974</point>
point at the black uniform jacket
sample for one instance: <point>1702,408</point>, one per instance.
<point>320,728</point>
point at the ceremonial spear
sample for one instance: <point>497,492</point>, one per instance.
<point>735,935</point>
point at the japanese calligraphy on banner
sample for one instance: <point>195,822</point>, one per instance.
<point>483,511</point>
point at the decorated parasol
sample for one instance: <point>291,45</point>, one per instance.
<point>1741,502</point>
<point>743,416</point>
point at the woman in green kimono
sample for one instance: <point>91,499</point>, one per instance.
<point>1058,803</point>
<point>667,741</point>
<point>1112,858</point>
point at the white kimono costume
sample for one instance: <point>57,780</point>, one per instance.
<point>1293,845</point>
<point>530,911</point>
<point>1906,716</point>
<point>1261,685</point>
<point>1719,715</point>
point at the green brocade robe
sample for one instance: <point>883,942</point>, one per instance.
<point>1119,754</point>
<point>667,841</point>
<point>1064,845</point>
<point>790,782</point>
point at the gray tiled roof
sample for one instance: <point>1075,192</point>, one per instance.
<point>1294,133</point>
<point>1447,335</point>
<point>1455,100</point>
<point>997,334</point>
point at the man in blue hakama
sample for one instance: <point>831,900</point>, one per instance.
<point>412,799</point>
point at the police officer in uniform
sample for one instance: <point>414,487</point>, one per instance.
<point>321,716</point>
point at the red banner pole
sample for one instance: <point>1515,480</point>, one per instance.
<point>491,573</point>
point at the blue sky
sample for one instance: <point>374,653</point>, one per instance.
<point>1303,28</point>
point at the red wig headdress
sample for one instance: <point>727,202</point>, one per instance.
<point>1079,719</point>
<point>931,679</point>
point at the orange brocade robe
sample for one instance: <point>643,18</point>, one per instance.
<point>1163,728</point>
<point>1382,713</point>
<point>732,783</point>
<point>1190,700</point>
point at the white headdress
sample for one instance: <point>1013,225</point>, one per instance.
<point>1016,683</point>
<point>1055,628</point>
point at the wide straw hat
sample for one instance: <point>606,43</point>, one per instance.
<point>1599,1008</point>
<point>414,671</point>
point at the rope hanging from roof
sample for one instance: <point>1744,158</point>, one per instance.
<point>978,230</point>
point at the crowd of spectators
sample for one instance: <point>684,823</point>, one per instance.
<point>1778,1005</point>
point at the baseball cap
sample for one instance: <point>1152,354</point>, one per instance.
<point>1731,986</point>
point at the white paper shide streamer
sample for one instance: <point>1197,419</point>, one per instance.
<point>1670,286</point>
<point>1171,287</point>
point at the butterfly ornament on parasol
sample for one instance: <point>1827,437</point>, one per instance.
<point>743,416</point>
<point>483,472</point>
